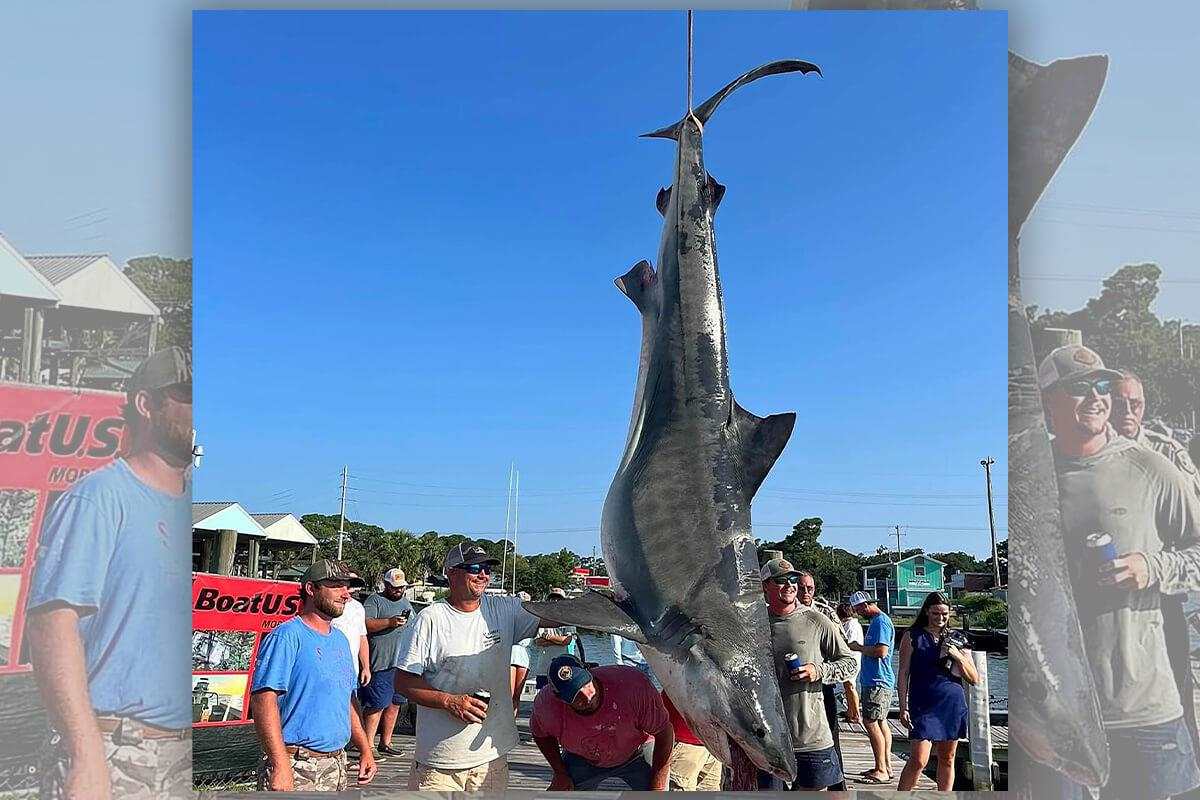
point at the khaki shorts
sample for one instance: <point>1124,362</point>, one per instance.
<point>311,771</point>
<point>876,701</point>
<point>489,777</point>
<point>694,769</point>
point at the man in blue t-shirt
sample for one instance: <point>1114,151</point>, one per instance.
<point>108,594</point>
<point>301,692</point>
<point>877,682</point>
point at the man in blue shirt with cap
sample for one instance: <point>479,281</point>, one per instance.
<point>108,592</point>
<point>301,692</point>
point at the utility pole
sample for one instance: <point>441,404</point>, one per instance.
<point>342,518</point>
<point>516,517</point>
<point>899,554</point>
<point>987,471</point>
<point>507,518</point>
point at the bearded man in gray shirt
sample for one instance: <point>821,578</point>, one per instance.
<point>1108,484</point>
<point>822,655</point>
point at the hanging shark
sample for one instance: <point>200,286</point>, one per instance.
<point>1055,711</point>
<point>676,523</point>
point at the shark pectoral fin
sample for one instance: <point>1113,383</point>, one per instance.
<point>597,611</point>
<point>763,439</point>
<point>636,283</point>
<point>703,111</point>
<point>664,197</point>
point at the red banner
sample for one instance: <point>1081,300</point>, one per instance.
<point>50,437</point>
<point>229,618</point>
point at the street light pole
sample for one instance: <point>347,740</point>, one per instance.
<point>342,516</point>
<point>987,471</point>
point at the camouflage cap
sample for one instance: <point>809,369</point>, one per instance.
<point>775,568</point>
<point>327,569</point>
<point>164,368</point>
<point>1072,361</point>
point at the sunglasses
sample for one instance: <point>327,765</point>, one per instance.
<point>784,580</point>
<point>476,569</point>
<point>1084,388</point>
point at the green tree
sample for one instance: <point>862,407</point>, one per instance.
<point>168,284</point>
<point>957,561</point>
<point>1121,326</point>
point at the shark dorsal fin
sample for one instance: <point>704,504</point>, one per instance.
<point>762,439</point>
<point>663,200</point>
<point>705,110</point>
<point>636,283</point>
<point>594,610</point>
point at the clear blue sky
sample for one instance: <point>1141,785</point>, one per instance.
<point>1130,191</point>
<point>407,226</point>
<point>105,93</point>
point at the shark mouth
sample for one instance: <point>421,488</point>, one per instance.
<point>743,774</point>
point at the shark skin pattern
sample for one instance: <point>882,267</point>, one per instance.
<point>676,523</point>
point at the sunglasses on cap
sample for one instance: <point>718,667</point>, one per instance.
<point>476,569</point>
<point>1083,388</point>
<point>784,580</point>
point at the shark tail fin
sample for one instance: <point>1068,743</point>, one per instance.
<point>763,439</point>
<point>594,610</point>
<point>636,283</point>
<point>705,110</point>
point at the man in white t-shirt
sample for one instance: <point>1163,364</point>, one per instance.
<point>353,623</point>
<point>454,652</point>
<point>852,629</point>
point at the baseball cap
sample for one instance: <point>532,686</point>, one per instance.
<point>1072,361</point>
<point>859,598</point>
<point>462,555</point>
<point>557,592</point>
<point>395,577</point>
<point>776,567</point>
<point>568,675</point>
<point>327,569</point>
<point>164,368</point>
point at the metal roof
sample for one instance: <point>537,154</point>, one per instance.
<point>204,510</point>
<point>19,278</point>
<point>58,268</point>
<point>267,519</point>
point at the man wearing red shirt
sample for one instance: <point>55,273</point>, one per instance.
<point>591,725</point>
<point>693,768</point>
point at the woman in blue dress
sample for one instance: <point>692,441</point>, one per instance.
<point>933,704</point>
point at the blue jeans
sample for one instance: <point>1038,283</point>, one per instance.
<point>1151,763</point>
<point>585,775</point>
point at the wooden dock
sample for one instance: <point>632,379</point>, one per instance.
<point>528,771</point>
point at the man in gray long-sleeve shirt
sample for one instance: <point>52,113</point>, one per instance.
<point>1110,484</point>
<point>823,654</point>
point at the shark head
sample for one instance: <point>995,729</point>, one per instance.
<point>734,692</point>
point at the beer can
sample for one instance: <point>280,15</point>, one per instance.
<point>1100,548</point>
<point>481,695</point>
<point>793,662</point>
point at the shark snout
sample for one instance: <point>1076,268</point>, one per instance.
<point>744,702</point>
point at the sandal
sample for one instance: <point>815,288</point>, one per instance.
<point>866,777</point>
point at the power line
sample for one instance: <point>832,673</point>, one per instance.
<point>1104,209</point>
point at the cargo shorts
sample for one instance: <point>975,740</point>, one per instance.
<point>311,771</point>
<point>144,763</point>
<point>876,701</point>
